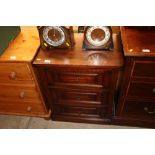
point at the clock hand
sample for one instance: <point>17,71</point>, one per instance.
<point>54,33</point>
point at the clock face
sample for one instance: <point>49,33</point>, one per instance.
<point>54,35</point>
<point>98,35</point>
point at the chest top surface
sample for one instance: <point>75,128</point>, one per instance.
<point>138,42</point>
<point>23,47</point>
<point>79,57</point>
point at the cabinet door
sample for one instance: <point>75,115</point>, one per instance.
<point>139,109</point>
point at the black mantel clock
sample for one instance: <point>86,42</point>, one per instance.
<point>98,37</point>
<point>56,37</point>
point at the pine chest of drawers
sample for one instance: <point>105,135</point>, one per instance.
<point>19,90</point>
<point>75,88</point>
<point>137,98</point>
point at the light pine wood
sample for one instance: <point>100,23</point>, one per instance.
<point>24,108</point>
<point>23,48</point>
<point>15,73</point>
<point>48,111</point>
<point>19,91</point>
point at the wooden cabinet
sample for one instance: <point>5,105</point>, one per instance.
<point>19,90</point>
<point>136,105</point>
<point>76,89</point>
<point>79,93</point>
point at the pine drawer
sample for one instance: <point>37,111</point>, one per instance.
<point>15,73</point>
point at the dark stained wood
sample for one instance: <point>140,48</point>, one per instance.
<point>82,58</point>
<point>137,42</point>
<point>139,109</point>
<point>147,69</point>
<point>77,88</point>
<point>68,42</point>
<point>137,95</point>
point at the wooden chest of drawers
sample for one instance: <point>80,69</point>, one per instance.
<point>76,89</point>
<point>137,98</point>
<point>80,93</point>
<point>19,90</point>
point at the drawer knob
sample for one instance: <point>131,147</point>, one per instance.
<point>22,94</point>
<point>29,108</point>
<point>153,90</point>
<point>149,112</point>
<point>13,75</point>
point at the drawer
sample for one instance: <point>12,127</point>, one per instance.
<point>143,69</point>
<point>73,96</point>
<point>22,108</point>
<point>142,90</point>
<point>80,111</point>
<point>139,109</point>
<point>19,93</point>
<point>79,96</point>
<point>15,73</point>
<point>80,77</point>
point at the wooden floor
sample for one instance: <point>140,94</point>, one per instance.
<point>20,122</point>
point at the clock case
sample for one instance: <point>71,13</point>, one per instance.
<point>69,38</point>
<point>87,46</point>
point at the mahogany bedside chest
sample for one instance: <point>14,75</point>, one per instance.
<point>136,105</point>
<point>78,85</point>
<point>19,90</point>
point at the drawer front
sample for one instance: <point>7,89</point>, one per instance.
<point>144,90</point>
<point>79,96</point>
<point>80,111</point>
<point>23,108</point>
<point>139,109</point>
<point>144,69</point>
<point>69,96</point>
<point>100,77</point>
<point>19,93</point>
<point>15,73</point>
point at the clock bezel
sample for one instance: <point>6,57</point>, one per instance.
<point>108,46</point>
<point>49,41</point>
<point>103,41</point>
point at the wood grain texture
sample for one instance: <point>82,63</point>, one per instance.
<point>79,57</point>
<point>23,47</point>
<point>138,42</point>
<point>19,90</point>
<point>136,105</point>
<point>15,73</point>
<point>75,88</point>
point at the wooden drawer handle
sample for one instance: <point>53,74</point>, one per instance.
<point>13,75</point>
<point>153,90</point>
<point>149,112</point>
<point>22,94</point>
<point>29,108</point>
